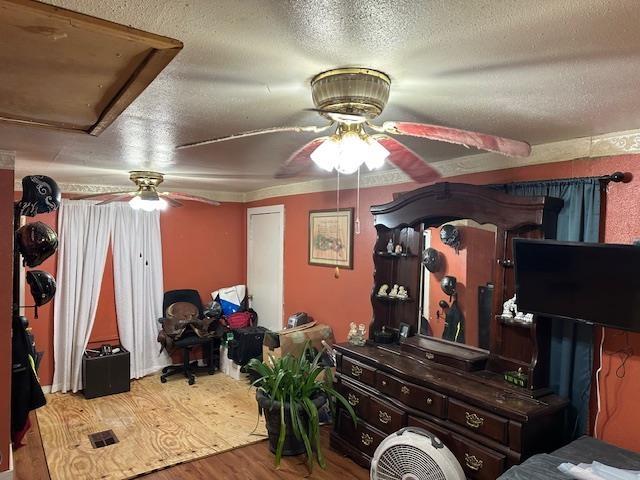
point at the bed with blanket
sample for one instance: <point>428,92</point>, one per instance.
<point>583,450</point>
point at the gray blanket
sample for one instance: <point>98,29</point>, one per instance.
<point>583,450</point>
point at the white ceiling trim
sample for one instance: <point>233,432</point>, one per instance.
<point>7,160</point>
<point>86,189</point>
<point>616,143</point>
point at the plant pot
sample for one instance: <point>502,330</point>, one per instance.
<point>292,446</point>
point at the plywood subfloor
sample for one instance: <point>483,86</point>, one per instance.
<point>157,425</point>
<point>252,461</point>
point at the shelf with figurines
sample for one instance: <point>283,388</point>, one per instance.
<point>512,316</point>
<point>398,293</point>
<point>395,251</point>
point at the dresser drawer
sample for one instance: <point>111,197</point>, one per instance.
<point>420,398</point>
<point>441,433</point>
<point>385,417</point>
<point>362,436</point>
<point>359,371</point>
<point>357,398</point>
<point>478,463</point>
<point>478,420</point>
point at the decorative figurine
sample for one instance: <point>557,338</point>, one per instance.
<point>394,291</point>
<point>390,246</point>
<point>356,334</point>
<point>398,249</point>
<point>402,293</point>
<point>382,292</point>
<point>508,308</point>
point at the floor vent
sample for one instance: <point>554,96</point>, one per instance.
<point>103,439</point>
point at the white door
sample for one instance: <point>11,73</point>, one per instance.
<point>265,264</point>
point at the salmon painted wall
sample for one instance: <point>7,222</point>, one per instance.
<point>340,301</point>
<point>6,302</point>
<point>202,248</point>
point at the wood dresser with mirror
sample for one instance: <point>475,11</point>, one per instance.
<point>448,375</point>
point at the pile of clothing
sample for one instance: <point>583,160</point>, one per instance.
<point>597,471</point>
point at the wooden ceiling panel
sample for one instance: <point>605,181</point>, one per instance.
<point>71,71</point>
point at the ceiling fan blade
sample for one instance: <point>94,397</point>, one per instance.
<point>118,198</point>
<point>300,160</point>
<point>251,133</point>
<point>407,160</point>
<point>482,141</point>
<point>175,196</point>
<point>101,196</point>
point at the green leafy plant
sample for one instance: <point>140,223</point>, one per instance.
<point>293,384</point>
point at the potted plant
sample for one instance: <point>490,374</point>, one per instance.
<point>290,391</point>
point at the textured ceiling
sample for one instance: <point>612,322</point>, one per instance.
<point>540,71</point>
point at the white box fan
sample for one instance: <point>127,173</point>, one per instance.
<point>414,454</point>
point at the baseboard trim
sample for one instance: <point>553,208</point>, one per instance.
<point>46,389</point>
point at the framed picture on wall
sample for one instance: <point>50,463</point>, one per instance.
<point>331,238</point>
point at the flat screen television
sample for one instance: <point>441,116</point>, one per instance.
<point>596,283</point>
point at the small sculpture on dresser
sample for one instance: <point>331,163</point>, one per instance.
<point>402,293</point>
<point>394,291</point>
<point>398,249</point>
<point>382,291</point>
<point>356,334</point>
<point>510,312</point>
<point>390,246</point>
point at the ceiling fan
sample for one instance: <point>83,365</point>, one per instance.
<point>146,196</point>
<point>349,98</point>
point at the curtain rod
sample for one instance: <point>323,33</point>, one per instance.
<point>616,177</point>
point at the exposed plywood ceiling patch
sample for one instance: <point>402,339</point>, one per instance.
<point>71,71</point>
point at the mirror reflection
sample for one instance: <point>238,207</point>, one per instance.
<point>457,290</point>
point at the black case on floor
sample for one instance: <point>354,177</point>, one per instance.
<point>246,344</point>
<point>107,374</point>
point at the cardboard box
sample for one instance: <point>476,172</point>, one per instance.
<point>277,344</point>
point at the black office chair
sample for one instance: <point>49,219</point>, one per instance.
<point>210,345</point>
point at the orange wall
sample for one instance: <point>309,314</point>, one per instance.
<point>6,302</point>
<point>341,301</point>
<point>202,248</point>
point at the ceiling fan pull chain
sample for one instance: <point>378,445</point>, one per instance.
<point>336,274</point>
<point>357,222</point>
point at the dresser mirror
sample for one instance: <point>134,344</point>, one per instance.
<point>457,279</point>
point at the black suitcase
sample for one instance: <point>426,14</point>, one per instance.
<point>246,344</point>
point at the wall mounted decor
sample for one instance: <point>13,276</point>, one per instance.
<point>331,238</point>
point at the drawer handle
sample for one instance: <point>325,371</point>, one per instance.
<point>384,417</point>
<point>429,356</point>
<point>366,439</point>
<point>356,371</point>
<point>384,383</point>
<point>405,390</point>
<point>353,399</point>
<point>429,400</point>
<point>473,462</point>
<point>473,420</point>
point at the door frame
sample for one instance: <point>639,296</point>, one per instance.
<point>279,209</point>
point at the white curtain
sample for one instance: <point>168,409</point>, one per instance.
<point>137,268</point>
<point>84,232</point>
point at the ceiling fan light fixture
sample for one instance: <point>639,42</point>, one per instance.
<point>148,204</point>
<point>377,154</point>
<point>326,154</point>
<point>347,152</point>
